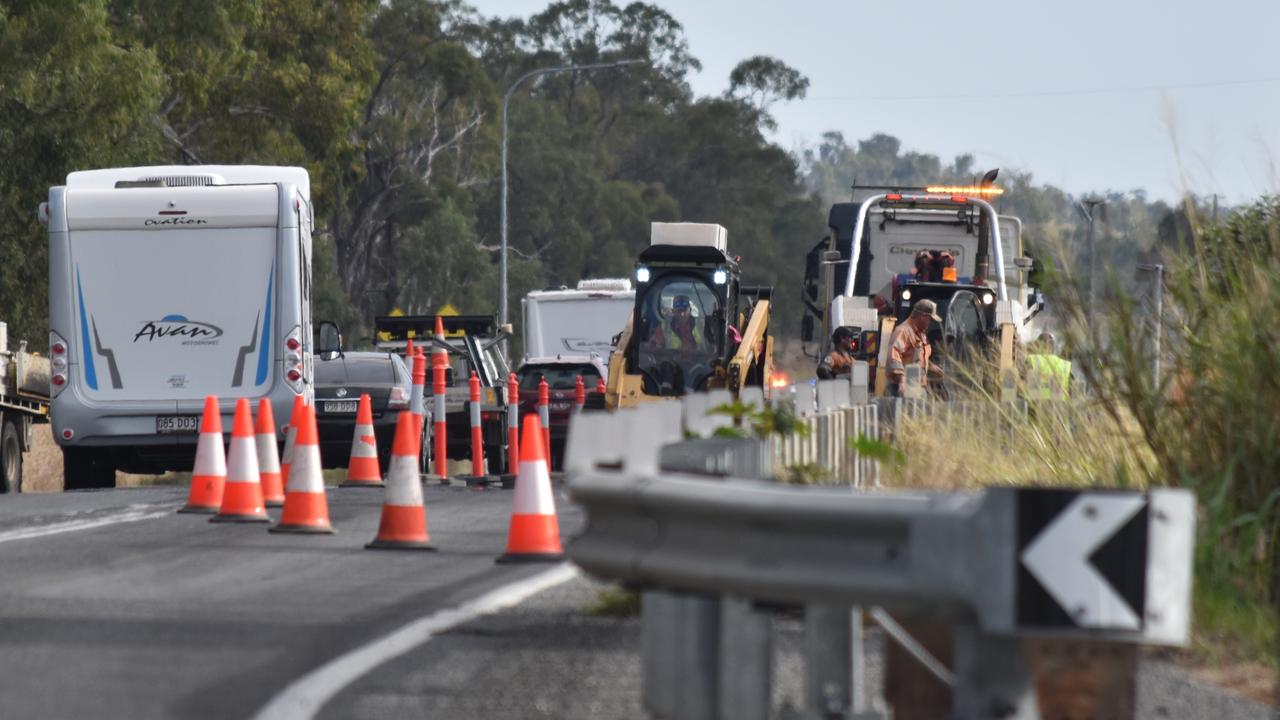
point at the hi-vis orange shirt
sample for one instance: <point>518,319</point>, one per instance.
<point>906,347</point>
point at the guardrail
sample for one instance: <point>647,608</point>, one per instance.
<point>1000,565</point>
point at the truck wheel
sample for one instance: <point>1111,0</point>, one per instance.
<point>10,457</point>
<point>86,469</point>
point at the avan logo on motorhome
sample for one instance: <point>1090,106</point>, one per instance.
<point>178,326</point>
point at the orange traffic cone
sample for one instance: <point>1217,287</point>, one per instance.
<point>404,519</point>
<point>290,435</point>
<point>268,456</point>
<point>242,496</point>
<point>363,470</point>
<point>534,533</point>
<point>210,472</point>
<point>306,509</point>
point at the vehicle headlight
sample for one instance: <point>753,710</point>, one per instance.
<point>642,274</point>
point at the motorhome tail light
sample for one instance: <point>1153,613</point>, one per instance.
<point>398,399</point>
<point>292,366</point>
<point>58,362</point>
<point>959,199</point>
<point>893,196</point>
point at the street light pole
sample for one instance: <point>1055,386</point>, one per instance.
<point>506,99</point>
<point>1086,208</point>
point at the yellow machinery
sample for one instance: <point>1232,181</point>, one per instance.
<point>694,327</point>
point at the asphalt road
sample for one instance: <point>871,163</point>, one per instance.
<point>113,606</point>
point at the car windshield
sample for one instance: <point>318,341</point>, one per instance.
<point>682,333</point>
<point>559,377</point>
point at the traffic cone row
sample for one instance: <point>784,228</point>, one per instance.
<point>238,488</point>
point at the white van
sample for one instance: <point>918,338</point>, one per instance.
<point>166,285</point>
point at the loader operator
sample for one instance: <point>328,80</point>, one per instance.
<point>681,331</point>
<point>840,360</point>
<point>909,345</point>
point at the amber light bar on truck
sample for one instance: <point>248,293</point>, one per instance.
<point>983,191</point>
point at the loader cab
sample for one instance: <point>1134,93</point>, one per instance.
<point>684,297</point>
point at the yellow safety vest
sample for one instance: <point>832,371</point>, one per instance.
<point>675,343</point>
<point>1048,376</point>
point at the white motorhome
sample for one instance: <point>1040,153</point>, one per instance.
<point>166,285</point>
<point>576,325</point>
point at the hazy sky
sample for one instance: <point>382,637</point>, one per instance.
<point>1088,94</point>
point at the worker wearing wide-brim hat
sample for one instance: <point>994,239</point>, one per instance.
<point>909,345</point>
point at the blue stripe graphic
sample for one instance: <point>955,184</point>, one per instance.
<point>266,329</point>
<point>86,350</point>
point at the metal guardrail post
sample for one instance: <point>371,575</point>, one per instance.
<point>659,635</point>
<point>992,678</point>
<point>828,662</point>
<point>746,661</point>
<point>680,644</point>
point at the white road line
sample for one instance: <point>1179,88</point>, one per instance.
<point>308,694</point>
<point>135,514</point>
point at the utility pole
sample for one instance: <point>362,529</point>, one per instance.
<point>1086,208</point>
<point>1156,278</point>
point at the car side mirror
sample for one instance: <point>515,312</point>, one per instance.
<point>328,340</point>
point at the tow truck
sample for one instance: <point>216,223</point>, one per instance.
<point>695,326</point>
<point>943,243</point>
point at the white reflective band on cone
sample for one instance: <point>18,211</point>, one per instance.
<point>533,490</point>
<point>244,460</point>
<point>210,460</point>
<point>360,447</point>
<point>268,460</point>
<point>403,487</point>
<point>305,474</point>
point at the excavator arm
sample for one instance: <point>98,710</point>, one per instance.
<point>755,351</point>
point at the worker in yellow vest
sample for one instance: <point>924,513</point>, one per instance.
<point>681,331</point>
<point>1048,374</point>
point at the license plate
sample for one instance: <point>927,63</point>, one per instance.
<point>166,424</point>
<point>339,406</point>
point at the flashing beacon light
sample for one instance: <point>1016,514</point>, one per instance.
<point>949,274</point>
<point>959,190</point>
<point>779,380</point>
